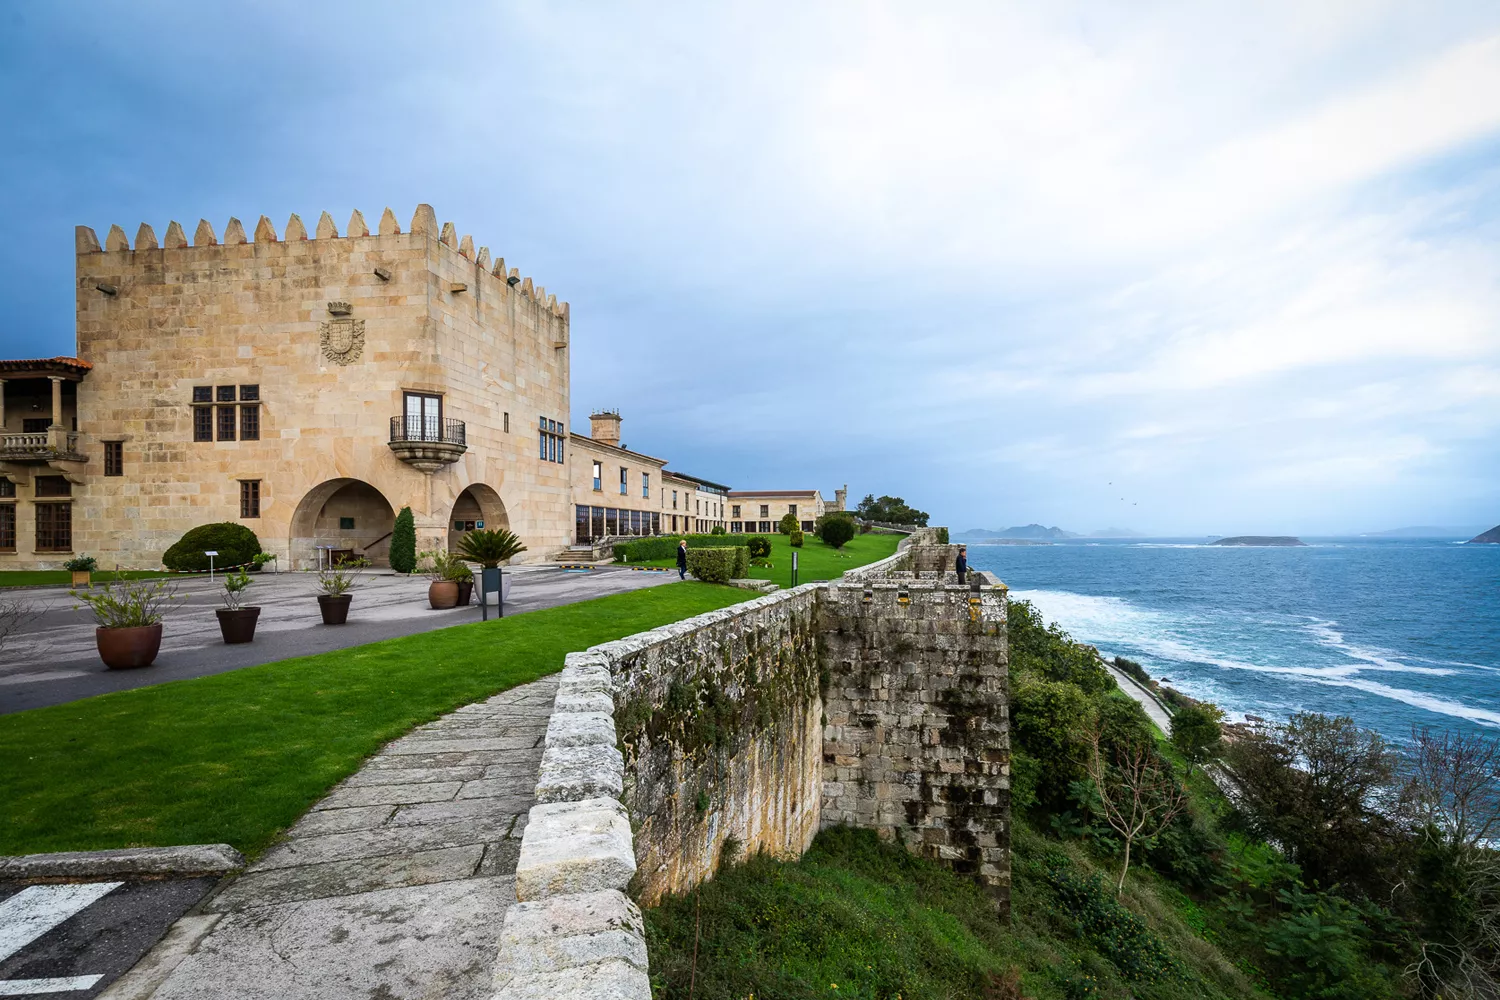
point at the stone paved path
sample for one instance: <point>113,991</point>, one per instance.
<point>394,887</point>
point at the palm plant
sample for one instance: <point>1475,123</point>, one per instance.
<point>489,547</point>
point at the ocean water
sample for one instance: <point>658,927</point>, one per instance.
<point>1391,632</point>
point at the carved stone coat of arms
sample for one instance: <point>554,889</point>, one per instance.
<point>343,340</point>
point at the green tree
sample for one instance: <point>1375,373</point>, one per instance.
<point>1197,732</point>
<point>890,509</point>
<point>787,524</point>
<point>838,530</point>
<point>404,542</point>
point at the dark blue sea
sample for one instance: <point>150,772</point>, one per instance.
<point>1391,632</point>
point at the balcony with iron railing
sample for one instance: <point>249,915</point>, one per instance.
<point>54,445</point>
<point>427,443</point>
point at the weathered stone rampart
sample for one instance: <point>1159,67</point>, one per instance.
<point>879,700</point>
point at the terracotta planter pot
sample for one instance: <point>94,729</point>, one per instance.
<point>237,625</point>
<point>81,577</point>
<point>442,594</point>
<point>335,609</point>
<point>465,592</point>
<point>125,648</point>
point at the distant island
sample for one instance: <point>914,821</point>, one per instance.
<point>1259,540</point>
<point>1422,531</point>
<point>1034,531</point>
<point>1491,537</point>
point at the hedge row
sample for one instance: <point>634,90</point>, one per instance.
<point>719,565</point>
<point>665,546</point>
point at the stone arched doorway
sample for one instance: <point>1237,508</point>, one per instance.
<point>348,516</point>
<point>477,506</point>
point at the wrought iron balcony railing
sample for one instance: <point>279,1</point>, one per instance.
<point>427,429</point>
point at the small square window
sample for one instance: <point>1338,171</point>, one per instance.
<point>7,489</point>
<point>226,393</point>
<point>249,498</point>
<point>249,393</point>
<point>114,458</point>
<point>346,524</point>
<point>203,394</point>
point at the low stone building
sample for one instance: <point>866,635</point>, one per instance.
<point>760,511</point>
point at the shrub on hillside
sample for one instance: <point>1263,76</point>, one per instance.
<point>798,538</point>
<point>760,547</point>
<point>235,544</point>
<point>838,530</point>
<point>718,565</point>
<point>787,524</point>
<point>403,556</point>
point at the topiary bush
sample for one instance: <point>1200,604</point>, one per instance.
<point>403,555</point>
<point>235,543</point>
<point>787,524</point>
<point>665,546</point>
<point>837,531</point>
<point>797,538</point>
<point>759,546</point>
<point>714,565</point>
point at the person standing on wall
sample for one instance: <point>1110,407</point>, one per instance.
<point>961,564</point>
<point>682,559</point>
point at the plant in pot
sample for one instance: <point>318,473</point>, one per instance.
<point>460,573</point>
<point>127,616</point>
<point>237,622</point>
<point>259,560</point>
<point>81,567</point>
<point>490,547</point>
<point>442,592</point>
<point>335,582</point>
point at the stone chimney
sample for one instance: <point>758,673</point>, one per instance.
<point>606,426</point>
<point>841,498</point>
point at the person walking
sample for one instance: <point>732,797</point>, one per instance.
<point>961,564</point>
<point>682,559</point>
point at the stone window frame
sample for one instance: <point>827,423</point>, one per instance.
<point>765,511</point>
<point>646,485</point>
<point>624,480</point>
<point>50,531</point>
<point>203,423</point>
<point>598,476</point>
<point>7,488</point>
<point>550,435</point>
<point>250,422</point>
<point>8,527</point>
<point>250,497</point>
<point>114,458</point>
<point>735,508</point>
<point>226,423</point>
<point>65,490</point>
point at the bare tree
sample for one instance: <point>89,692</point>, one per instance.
<point>1139,792</point>
<point>1451,799</point>
<point>13,615</point>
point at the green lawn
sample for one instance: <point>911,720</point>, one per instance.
<point>815,561</point>
<point>236,758</point>
<point>43,577</point>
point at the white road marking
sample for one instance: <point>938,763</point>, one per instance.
<point>37,909</point>
<point>31,987</point>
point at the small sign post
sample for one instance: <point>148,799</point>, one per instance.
<point>210,553</point>
<point>794,567</point>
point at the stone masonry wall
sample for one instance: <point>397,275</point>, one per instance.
<point>666,747</point>
<point>916,744</point>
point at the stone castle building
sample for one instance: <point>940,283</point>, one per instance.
<point>309,387</point>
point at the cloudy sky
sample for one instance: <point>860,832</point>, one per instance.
<point>1183,268</point>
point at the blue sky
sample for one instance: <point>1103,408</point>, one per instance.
<point>1185,268</point>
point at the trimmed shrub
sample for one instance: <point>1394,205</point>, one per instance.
<point>665,546</point>
<point>714,565</point>
<point>942,534</point>
<point>787,524</point>
<point>797,538</point>
<point>837,531</point>
<point>235,543</point>
<point>718,530</point>
<point>403,556</point>
<point>759,546</point>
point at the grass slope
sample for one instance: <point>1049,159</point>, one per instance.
<point>235,758</point>
<point>815,561</point>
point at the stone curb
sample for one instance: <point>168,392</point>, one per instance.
<point>190,859</point>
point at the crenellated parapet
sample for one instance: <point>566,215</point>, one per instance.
<point>423,223</point>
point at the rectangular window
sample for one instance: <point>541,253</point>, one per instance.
<point>765,510</point>
<point>226,423</point>
<point>35,425</point>
<point>598,521</point>
<point>114,458</point>
<point>203,394</point>
<point>203,423</point>
<point>599,477</point>
<point>807,526</point>
<point>249,393</point>
<point>550,441</point>
<point>7,527</point>
<point>624,481</point>
<point>736,528</point>
<point>7,489</point>
<point>52,486</point>
<point>507,423</point>
<point>734,510</point>
<point>674,507</point>
<point>226,394</point>
<point>646,485</point>
<point>54,527</point>
<point>655,523</point>
<point>765,527</point>
<point>347,524</point>
<point>249,498</point>
<point>423,414</point>
<point>791,509</point>
<point>611,521</point>
<point>250,423</point>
